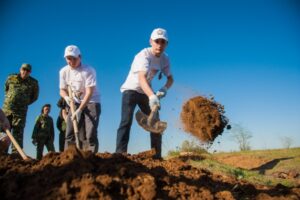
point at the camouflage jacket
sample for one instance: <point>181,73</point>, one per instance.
<point>19,93</point>
<point>43,127</point>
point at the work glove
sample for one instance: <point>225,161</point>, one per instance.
<point>68,100</point>
<point>153,100</point>
<point>162,92</point>
<point>77,115</point>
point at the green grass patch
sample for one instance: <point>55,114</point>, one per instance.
<point>293,163</point>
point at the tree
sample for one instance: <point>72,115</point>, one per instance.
<point>286,142</point>
<point>242,136</point>
<point>188,146</point>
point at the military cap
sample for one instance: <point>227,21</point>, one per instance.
<point>26,66</point>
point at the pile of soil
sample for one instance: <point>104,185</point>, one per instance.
<point>75,174</point>
<point>203,118</point>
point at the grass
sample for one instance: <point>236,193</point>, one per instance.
<point>288,159</point>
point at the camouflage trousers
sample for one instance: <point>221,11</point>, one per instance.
<point>17,122</point>
<point>41,142</point>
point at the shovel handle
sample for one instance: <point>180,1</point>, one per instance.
<point>75,125</point>
<point>15,143</point>
<point>152,114</point>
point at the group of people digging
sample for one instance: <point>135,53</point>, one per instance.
<point>80,104</point>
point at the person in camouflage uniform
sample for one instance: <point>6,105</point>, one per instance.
<point>21,90</point>
<point>43,132</point>
<point>61,122</point>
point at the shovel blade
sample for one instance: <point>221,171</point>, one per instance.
<point>156,126</point>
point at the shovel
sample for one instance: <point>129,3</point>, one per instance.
<point>151,123</point>
<point>15,143</point>
<point>75,125</point>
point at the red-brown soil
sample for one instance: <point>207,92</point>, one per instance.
<point>75,174</point>
<point>242,161</point>
<point>203,118</point>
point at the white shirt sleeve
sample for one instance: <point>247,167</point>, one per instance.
<point>62,79</point>
<point>140,63</point>
<point>91,80</point>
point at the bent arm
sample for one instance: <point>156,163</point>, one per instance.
<point>88,94</point>
<point>36,128</point>
<point>144,84</point>
<point>35,93</point>
<point>63,93</point>
<point>169,82</point>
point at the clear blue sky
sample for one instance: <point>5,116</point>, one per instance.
<point>245,53</point>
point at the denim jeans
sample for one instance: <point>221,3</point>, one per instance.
<point>130,99</point>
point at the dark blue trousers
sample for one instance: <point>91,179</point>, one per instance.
<point>130,99</point>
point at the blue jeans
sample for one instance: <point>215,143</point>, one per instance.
<point>130,99</point>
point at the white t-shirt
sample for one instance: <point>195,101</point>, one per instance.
<point>79,79</point>
<point>149,63</point>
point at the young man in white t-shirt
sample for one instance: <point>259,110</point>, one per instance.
<point>137,90</point>
<point>82,80</point>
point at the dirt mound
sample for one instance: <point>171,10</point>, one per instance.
<point>75,174</point>
<point>203,118</point>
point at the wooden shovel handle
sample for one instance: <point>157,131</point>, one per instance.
<point>152,114</point>
<point>15,143</point>
<point>75,125</point>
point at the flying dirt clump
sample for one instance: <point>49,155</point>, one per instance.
<point>203,118</point>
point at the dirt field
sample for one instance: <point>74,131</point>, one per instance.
<point>76,174</point>
<point>278,163</point>
<point>82,175</point>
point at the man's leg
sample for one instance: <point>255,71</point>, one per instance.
<point>40,148</point>
<point>91,119</point>
<point>18,124</point>
<point>62,141</point>
<point>128,106</point>
<point>156,143</point>
<point>50,145</point>
<point>155,138</point>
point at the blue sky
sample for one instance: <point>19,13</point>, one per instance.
<point>245,53</point>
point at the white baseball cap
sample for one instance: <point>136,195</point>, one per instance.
<point>159,33</point>
<point>72,50</point>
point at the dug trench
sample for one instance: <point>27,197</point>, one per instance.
<point>75,174</point>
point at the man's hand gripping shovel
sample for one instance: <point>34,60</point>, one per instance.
<point>151,123</point>
<point>75,125</point>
